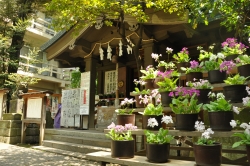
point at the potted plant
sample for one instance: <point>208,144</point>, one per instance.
<point>184,105</point>
<point>194,71</point>
<point>205,55</point>
<point>231,48</point>
<point>158,144</point>
<point>243,65</point>
<point>121,138</point>
<point>217,108</point>
<point>235,89</point>
<point>215,73</point>
<point>137,92</point>
<point>203,86</point>
<point>243,136</point>
<point>182,59</point>
<point>162,65</point>
<point>148,76</point>
<point>125,114</point>
<point>155,112</point>
<point>206,151</point>
<point>166,85</point>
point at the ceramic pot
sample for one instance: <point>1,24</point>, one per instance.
<point>208,155</point>
<point>235,93</point>
<point>231,57</point>
<point>145,122</point>
<point>190,76</point>
<point>215,76</point>
<point>220,121</point>
<point>166,99</point>
<point>185,121</point>
<point>182,64</point>
<point>149,84</point>
<point>126,119</point>
<point>122,149</point>
<point>158,153</point>
<point>244,70</point>
<point>203,98</point>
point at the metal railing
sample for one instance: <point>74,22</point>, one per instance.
<point>51,69</point>
<point>43,26</point>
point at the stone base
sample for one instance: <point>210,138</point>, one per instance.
<point>10,140</point>
<point>10,132</point>
<point>12,116</point>
<point>16,106</point>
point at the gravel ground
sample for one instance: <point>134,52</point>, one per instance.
<point>11,155</point>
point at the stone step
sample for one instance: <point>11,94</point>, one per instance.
<point>82,140</point>
<point>73,147</point>
<point>76,133</point>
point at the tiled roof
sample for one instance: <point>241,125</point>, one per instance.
<point>52,40</point>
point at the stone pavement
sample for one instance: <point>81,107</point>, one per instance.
<point>11,155</point>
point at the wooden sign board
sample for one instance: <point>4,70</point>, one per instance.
<point>34,108</point>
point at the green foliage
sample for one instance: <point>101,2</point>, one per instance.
<point>151,109</point>
<point>75,79</point>
<point>159,138</point>
<point>219,103</point>
<point>125,111</point>
<point>205,54</point>
<point>119,136</point>
<point>168,84</point>
<point>149,73</point>
<point>204,141</point>
<point>236,80</point>
<point>142,92</point>
<point>243,60</point>
<point>245,139</point>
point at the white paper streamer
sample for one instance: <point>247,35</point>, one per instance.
<point>120,48</point>
<point>101,52</point>
<point>109,50</point>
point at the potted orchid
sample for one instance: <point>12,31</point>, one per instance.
<point>215,73</point>
<point>167,84</point>
<point>243,136</point>
<point>243,65</point>
<point>203,86</point>
<point>217,108</point>
<point>194,71</point>
<point>148,76</point>
<point>205,55</point>
<point>231,48</point>
<point>158,142</point>
<point>235,89</point>
<point>206,150</point>
<point>137,92</point>
<point>125,114</point>
<point>184,105</point>
<point>121,138</point>
<point>162,65</point>
<point>182,59</point>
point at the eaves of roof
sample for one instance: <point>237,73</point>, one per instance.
<point>52,40</point>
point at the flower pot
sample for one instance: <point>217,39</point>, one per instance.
<point>231,57</point>
<point>244,70</point>
<point>137,103</point>
<point>208,155</point>
<point>215,76</point>
<point>203,98</point>
<point>149,84</point>
<point>248,153</point>
<point>122,149</point>
<point>220,121</point>
<point>158,153</point>
<point>158,79</point>
<point>162,68</point>
<point>145,122</point>
<point>126,119</point>
<point>190,76</point>
<point>235,93</point>
<point>166,99</point>
<point>182,64</point>
<point>185,121</point>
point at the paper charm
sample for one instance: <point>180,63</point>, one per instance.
<point>109,50</point>
<point>130,42</point>
<point>120,48</point>
<point>101,52</point>
<point>129,49</point>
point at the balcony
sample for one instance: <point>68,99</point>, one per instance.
<point>53,74</point>
<point>41,27</point>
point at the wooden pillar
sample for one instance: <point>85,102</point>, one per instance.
<point>149,48</point>
<point>90,65</point>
